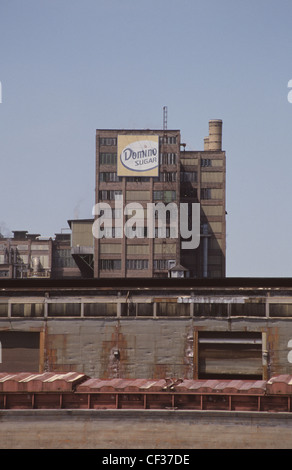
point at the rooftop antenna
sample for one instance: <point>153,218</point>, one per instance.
<point>164,118</point>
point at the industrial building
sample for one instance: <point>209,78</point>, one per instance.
<point>186,190</point>
<point>147,167</point>
<point>147,328</point>
<point>26,255</point>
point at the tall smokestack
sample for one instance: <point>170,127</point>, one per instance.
<point>215,134</point>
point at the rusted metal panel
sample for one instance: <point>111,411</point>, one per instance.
<point>281,384</point>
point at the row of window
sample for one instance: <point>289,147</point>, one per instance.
<point>112,141</point>
<point>169,158</point>
<point>168,140</point>
<point>115,264</point>
<point>109,176</point>
<point>137,263</point>
<point>108,141</point>
<point>112,177</point>
<point>111,195</point>
<point>110,264</point>
<point>166,177</point>
<point>164,196</point>
<point>106,158</point>
<point>140,232</point>
<point>163,308</point>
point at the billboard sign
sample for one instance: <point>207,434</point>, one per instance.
<point>138,155</point>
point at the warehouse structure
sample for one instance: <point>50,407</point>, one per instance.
<point>126,328</point>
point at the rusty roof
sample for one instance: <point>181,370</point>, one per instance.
<point>43,382</point>
<point>74,381</point>
<point>280,384</point>
<point>180,386</point>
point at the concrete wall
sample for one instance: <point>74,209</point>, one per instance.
<point>121,429</point>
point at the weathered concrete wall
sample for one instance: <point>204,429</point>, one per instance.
<point>141,347</point>
<point>121,429</point>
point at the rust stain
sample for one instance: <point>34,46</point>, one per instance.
<point>114,355</point>
<point>161,371</point>
<point>189,354</point>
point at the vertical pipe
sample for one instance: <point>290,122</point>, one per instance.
<point>205,257</point>
<point>205,250</point>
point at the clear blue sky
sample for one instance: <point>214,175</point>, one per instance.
<point>68,67</point>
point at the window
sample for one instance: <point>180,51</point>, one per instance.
<point>167,158</point>
<point>138,179</point>
<point>3,310</point>
<point>111,213</point>
<point>137,264</point>
<point>206,162</point>
<point>109,264</point>
<point>205,193</point>
<point>109,176</point>
<point>167,176</point>
<point>108,159</point>
<point>109,141</point>
<point>188,176</point>
<point>161,264</point>
<point>166,196</point>
<point>173,309</point>
<point>27,310</point>
<point>167,140</point>
<point>100,309</point>
<point>105,195</point>
<point>217,350</point>
<point>63,259</point>
<point>64,309</point>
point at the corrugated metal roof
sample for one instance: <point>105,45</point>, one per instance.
<point>280,384</point>
<point>47,381</point>
<point>74,381</point>
<point>180,386</point>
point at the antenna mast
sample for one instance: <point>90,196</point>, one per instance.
<point>164,118</point>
